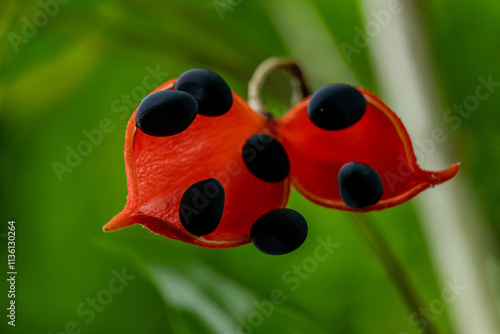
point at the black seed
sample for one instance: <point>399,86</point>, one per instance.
<point>359,185</point>
<point>266,158</point>
<point>201,207</point>
<point>279,231</point>
<point>212,93</point>
<point>166,113</point>
<point>337,106</point>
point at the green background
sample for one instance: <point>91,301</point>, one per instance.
<point>72,72</point>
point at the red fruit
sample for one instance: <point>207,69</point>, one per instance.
<point>379,139</point>
<point>160,169</point>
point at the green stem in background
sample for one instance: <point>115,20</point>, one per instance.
<point>455,228</point>
<point>393,266</point>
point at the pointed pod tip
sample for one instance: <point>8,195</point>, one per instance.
<point>445,175</point>
<point>119,221</point>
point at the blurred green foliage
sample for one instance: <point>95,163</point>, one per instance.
<point>74,71</point>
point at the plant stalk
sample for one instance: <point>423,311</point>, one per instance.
<point>393,266</point>
<point>262,72</point>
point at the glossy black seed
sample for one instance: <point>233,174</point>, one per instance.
<point>359,185</point>
<point>336,106</point>
<point>279,231</point>
<point>201,207</point>
<point>266,158</point>
<point>166,113</point>
<point>212,93</point>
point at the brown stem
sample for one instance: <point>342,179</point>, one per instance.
<point>262,72</point>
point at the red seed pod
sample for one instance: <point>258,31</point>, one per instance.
<point>379,139</point>
<point>224,147</point>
